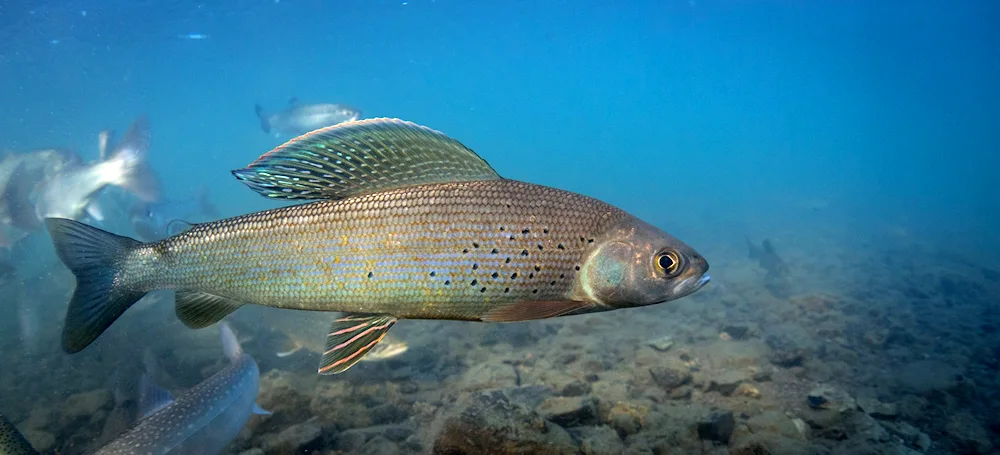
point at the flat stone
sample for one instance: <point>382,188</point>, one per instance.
<point>662,344</point>
<point>669,377</point>
<point>569,411</point>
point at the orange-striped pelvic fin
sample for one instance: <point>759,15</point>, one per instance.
<point>350,338</point>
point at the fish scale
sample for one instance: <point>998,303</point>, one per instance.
<point>428,251</point>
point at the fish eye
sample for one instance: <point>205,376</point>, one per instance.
<point>668,262</point>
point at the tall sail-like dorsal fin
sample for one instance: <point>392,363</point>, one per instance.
<point>360,157</point>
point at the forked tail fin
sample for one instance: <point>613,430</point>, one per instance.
<point>96,258</point>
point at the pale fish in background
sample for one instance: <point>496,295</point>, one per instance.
<point>300,118</point>
<point>69,193</point>
<point>202,421</point>
<point>157,220</point>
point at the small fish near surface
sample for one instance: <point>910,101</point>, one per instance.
<point>203,420</point>
<point>404,222</point>
<point>157,220</point>
<point>300,118</point>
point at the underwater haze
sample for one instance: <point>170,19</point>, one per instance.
<point>837,163</point>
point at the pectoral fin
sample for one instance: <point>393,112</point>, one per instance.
<point>531,310</point>
<point>198,309</point>
<point>350,338</point>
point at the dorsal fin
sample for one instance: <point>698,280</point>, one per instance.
<point>362,157</point>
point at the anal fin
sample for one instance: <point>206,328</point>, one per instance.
<point>350,338</point>
<point>531,310</point>
<point>198,309</point>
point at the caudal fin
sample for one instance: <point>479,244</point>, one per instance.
<point>264,124</point>
<point>95,257</point>
<point>133,172</point>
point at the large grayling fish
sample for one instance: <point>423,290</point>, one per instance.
<point>69,193</point>
<point>300,118</point>
<point>204,420</point>
<point>408,223</point>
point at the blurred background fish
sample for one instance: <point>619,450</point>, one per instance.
<point>160,219</point>
<point>298,118</point>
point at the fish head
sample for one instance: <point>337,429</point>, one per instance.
<point>637,264</point>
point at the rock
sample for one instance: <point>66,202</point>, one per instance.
<point>488,422</point>
<point>788,358</point>
<point>876,408</point>
<point>911,407</point>
<point>42,441</point>
<point>909,434</point>
<point>356,437</point>
<point>736,332</point>
<point>926,376</point>
<point>662,344</point>
<point>566,385</point>
<point>968,433</point>
<point>302,438</point>
<point>379,446</point>
<point>85,404</point>
<point>487,376</point>
<point>626,418</point>
<point>670,377</point>
<point>747,390</point>
<point>769,433</point>
<point>923,442</point>
<point>569,411</point>
<point>827,397</point>
<point>717,426</point>
<point>602,440</point>
<point>727,382</point>
<point>761,376</point>
<point>350,441</point>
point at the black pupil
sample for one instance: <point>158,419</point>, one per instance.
<point>666,262</point>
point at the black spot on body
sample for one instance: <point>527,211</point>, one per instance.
<point>507,261</point>
<point>475,245</point>
<point>513,275</point>
<point>432,273</point>
<point>560,246</point>
<point>475,266</point>
<point>494,275</point>
<point>495,251</point>
<point>474,282</point>
<point>482,290</point>
<point>524,252</point>
<point>369,274</point>
<point>447,282</point>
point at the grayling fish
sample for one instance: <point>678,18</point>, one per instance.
<point>20,176</point>
<point>156,220</point>
<point>68,193</point>
<point>299,118</point>
<point>204,420</point>
<point>409,223</point>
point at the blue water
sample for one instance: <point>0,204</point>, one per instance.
<point>837,129</point>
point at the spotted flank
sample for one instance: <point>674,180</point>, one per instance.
<point>12,442</point>
<point>350,338</point>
